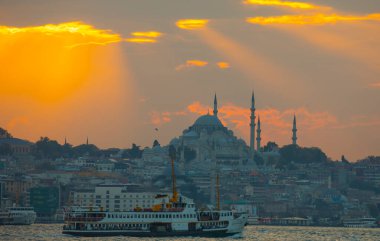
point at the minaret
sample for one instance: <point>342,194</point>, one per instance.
<point>294,130</point>
<point>258,138</point>
<point>87,141</point>
<point>65,140</point>
<point>215,106</point>
<point>252,125</point>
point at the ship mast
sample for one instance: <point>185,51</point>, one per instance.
<point>172,154</point>
<point>217,193</point>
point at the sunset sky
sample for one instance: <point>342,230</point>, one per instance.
<point>115,70</point>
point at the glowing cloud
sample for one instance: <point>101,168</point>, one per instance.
<point>223,65</point>
<point>192,24</point>
<point>150,34</point>
<point>311,19</point>
<point>198,108</point>
<point>192,63</point>
<point>375,85</point>
<point>84,33</point>
<point>276,122</point>
<point>161,118</point>
<point>141,40</point>
<point>54,58</point>
<point>280,3</point>
<point>144,37</point>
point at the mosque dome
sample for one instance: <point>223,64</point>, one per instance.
<point>191,134</point>
<point>208,120</point>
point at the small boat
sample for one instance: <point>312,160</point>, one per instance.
<point>365,222</point>
<point>18,216</point>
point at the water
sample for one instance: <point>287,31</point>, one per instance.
<point>53,232</point>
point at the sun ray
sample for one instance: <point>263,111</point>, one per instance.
<point>314,19</point>
<point>252,64</point>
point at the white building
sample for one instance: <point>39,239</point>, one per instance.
<point>113,197</point>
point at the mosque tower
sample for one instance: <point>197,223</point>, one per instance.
<point>252,125</point>
<point>294,130</point>
<point>215,106</point>
<point>258,138</point>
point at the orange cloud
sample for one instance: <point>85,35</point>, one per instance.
<point>198,108</point>
<point>192,63</point>
<point>17,121</point>
<point>192,24</point>
<point>161,118</point>
<point>280,3</point>
<point>274,121</point>
<point>311,19</point>
<point>52,63</point>
<point>144,37</point>
<point>141,40</point>
<point>375,85</point>
<point>223,65</point>
<point>80,33</point>
<point>149,34</point>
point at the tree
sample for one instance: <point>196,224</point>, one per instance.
<point>46,148</point>
<point>135,151</point>
<point>297,154</point>
<point>156,143</point>
<point>344,160</point>
<point>86,149</point>
<point>270,146</point>
<point>4,133</point>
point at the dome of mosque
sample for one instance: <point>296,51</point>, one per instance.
<point>191,134</point>
<point>208,120</point>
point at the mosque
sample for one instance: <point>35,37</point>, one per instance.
<point>211,140</point>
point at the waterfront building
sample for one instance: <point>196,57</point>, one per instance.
<point>113,197</point>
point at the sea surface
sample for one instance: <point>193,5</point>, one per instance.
<point>53,232</point>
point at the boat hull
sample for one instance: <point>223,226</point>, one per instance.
<point>104,233</point>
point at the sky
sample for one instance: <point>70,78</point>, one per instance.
<point>132,71</point>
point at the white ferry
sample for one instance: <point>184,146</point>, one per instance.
<point>170,219</point>
<point>18,216</point>
<point>169,216</point>
<point>360,223</point>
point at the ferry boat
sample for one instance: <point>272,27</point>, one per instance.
<point>171,215</point>
<point>18,216</point>
<point>360,222</point>
<point>171,219</point>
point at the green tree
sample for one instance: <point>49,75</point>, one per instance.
<point>297,154</point>
<point>135,151</point>
<point>46,148</point>
<point>87,150</point>
<point>4,133</point>
<point>270,146</point>
<point>156,143</point>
